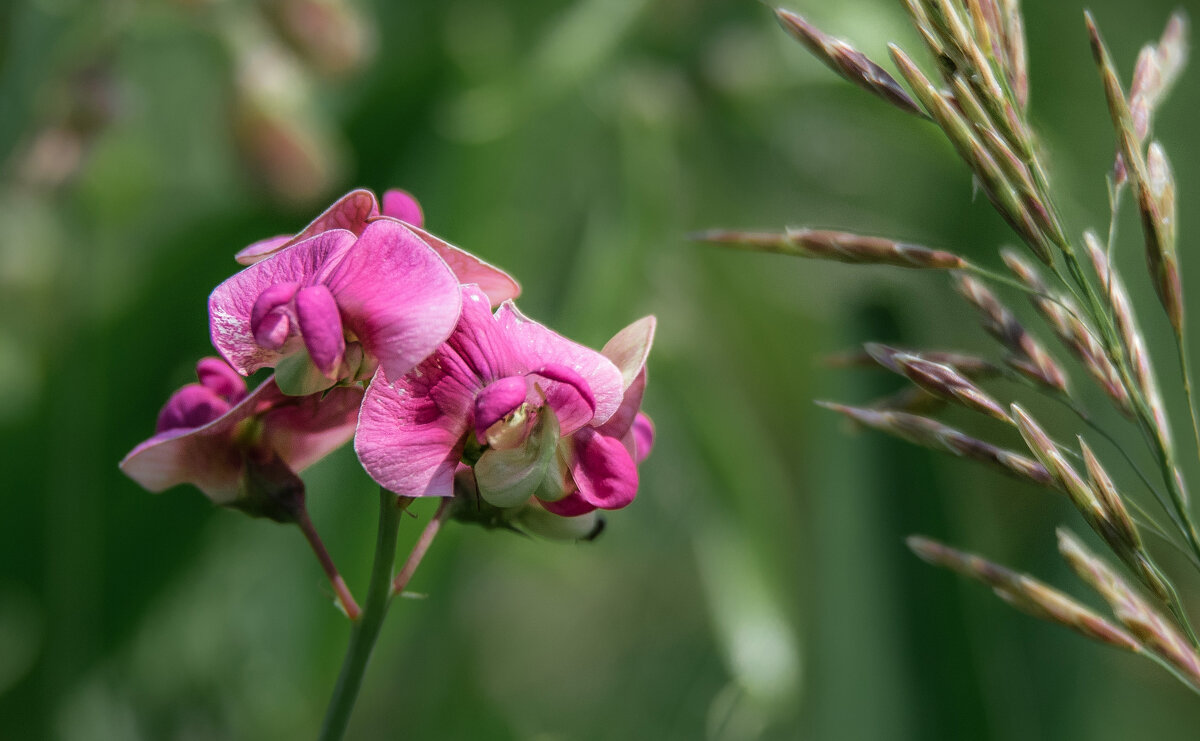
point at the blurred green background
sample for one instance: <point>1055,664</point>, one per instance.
<point>758,588</point>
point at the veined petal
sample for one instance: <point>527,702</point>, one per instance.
<point>400,204</point>
<point>406,441</point>
<point>231,304</point>
<point>396,295</point>
<point>321,327</point>
<point>261,249</point>
<point>629,348</point>
<point>309,428</point>
<point>538,347</point>
<point>350,212</point>
<point>496,284</point>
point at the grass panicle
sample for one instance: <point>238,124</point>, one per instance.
<point>822,244</point>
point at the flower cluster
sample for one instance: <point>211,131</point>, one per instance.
<point>379,331</point>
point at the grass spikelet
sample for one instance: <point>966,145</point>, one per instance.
<point>839,246</point>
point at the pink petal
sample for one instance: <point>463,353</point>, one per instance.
<point>572,505</point>
<point>396,295</point>
<point>643,437</point>
<point>406,441</point>
<point>618,424</point>
<point>566,392</point>
<point>350,212</point>
<point>400,204</point>
<point>496,284</point>
<point>204,456</point>
<point>496,401</point>
<point>223,380</point>
<point>231,305</point>
<point>603,470</point>
<point>311,427</point>
<point>321,327</point>
<point>192,406</point>
<point>262,248</point>
<point>629,347</point>
<point>538,347</point>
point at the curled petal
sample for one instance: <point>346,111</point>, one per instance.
<point>231,305</point>
<point>400,204</point>
<point>567,393</point>
<point>603,470</point>
<point>194,405</point>
<point>623,419</point>
<point>396,295</point>
<point>537,347</point>
<point>223,380</point>
<point>269,319</point>
<point>321,327</point>
<point>496,401</point>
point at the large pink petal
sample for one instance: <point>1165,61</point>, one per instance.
<point>400,204</point>
<point>405,440</point>
<point>232,303</point>
<point>350,212</point>
<point>498,285</point>
<point>537,347</point>
<point>309,428</point>
<point>204,456</point>
<point>397,295</point>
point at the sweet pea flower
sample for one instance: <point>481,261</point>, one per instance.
<point>597,465</point>
<point>499,394</point>
<point>210,433</point>
<point>243,450</point>
<point>358,208</point>
<point>325,308</point>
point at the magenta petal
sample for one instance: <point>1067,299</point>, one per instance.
<point>496,284</point>
<point>321,327</point>
<point>231,304</point>
<point>399,204</point>
<point>309,428</point>
<point>407,442</point>
<point>643,437</point>
<point>223,380</point>
<point>496,401</point>
<point>572,505</point>
<point>350,212</point>
<point>603,470</point>
<point>396,295</point>
<point>567,393</point>
<point>262,248</point>
<point>270,321</point>
<point>192,406</point>
<point>536,347</point>
<point>204,456</point>
<point>618,424</point>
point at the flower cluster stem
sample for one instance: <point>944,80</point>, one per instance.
<point>366,629</point>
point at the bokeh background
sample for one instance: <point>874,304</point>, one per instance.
<point>758,588</point>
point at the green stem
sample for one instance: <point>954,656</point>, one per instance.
<point>1185,370</point>
<point>366,630</point>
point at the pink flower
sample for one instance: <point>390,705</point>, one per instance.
<point>598,463</point>
<point>500,394</point>
<point>384,290</point>
<point>358,208</point>
<point>214,435</point>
